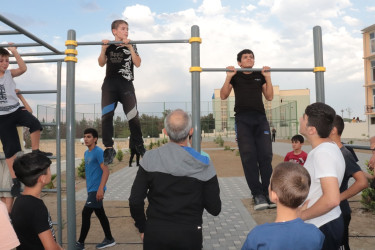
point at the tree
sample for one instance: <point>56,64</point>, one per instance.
<point>208,123</point>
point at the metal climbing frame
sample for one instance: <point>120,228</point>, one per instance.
<point>52,51</point>
<point>195,70</point>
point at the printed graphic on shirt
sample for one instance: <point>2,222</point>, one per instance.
<point>126,71</point>
<point>3,94</point>
<point>299,161</point>
<point>51,226</point>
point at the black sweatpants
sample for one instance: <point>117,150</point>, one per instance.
<point>255,146</point>
<point>172,237</point>
<point>115,90</point>
<point>86,222</point>
<point>333,232</point>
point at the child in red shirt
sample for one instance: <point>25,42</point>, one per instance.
<point>297,155</point>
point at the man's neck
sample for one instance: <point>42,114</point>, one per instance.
<point>91,147</point>
<point>33,191</point>
<point>316,141</point>
<point>297,151</point>
<point>337,140</point>
<point>285,213</point>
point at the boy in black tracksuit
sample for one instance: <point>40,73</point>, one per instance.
<point>179,184</point>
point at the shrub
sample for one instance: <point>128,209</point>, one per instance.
<point>158,143</point>
<point>119,155</point>
<point>219,140</point>
<point>50,185</point>
<point>237,153</point>
<point>227,148</point>
<point>150,145</point>
<point>81,169</point>
<point>368,194</point>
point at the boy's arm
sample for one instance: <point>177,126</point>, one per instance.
<point>102,60</point>
<point>329,200</point>
<point>267,88</point>
<point>24,102</point>
<point>48,241</point>
<point>21,64</point>
<point>100,192</point>
<point>359,184</point>
<point>227,87</point>
<point>135,57</point>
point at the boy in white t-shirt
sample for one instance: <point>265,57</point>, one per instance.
<point>326,167</point>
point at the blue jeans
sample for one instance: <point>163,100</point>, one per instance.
<point>254,143</point>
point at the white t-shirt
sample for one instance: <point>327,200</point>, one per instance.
<point>8,97</point>
<point>8,238</point>
<point>325,160</point>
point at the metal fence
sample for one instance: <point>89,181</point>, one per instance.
<point>283,118</point>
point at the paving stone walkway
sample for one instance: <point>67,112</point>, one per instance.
<point>226,231</point>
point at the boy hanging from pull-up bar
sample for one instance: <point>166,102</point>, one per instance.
<point>13,115</point>
<point>118,87</point>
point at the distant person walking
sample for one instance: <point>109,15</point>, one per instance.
<point>273,134</point>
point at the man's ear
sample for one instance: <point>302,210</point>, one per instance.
<point>165,131</point>
<point>273,197</point>
<point>239,64</point>
<point>42,179</point>
<point>191,131</point>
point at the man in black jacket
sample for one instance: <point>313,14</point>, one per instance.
<point>179,184</point>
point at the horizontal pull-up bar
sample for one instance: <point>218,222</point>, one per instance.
<point>136,42</point>
<point>40,54</point>
<point>20,45</point>
<point>259,69</point>
<point>38,92</point>
<point>40,61</point>
<point>10,32</point>
<point>26,33</point>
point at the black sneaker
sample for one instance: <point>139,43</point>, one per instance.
<point>260,202</point>
<point>15,191</point>
<point>106,243</point>
<point>271,204</point>
<point>140,149</point>
<point>109,155</point>
<point>80,246</point>
<point>42,152</point>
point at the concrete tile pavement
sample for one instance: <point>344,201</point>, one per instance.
<point>226,231</point>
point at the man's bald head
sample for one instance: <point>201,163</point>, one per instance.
<point>178,125</point>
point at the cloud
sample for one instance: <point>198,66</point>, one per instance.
<point>251,7</point>
<point>139,16</point>
<point>211,7</point>
<point>90,6</point>
<point>370,8</point>
<point>351,21</point>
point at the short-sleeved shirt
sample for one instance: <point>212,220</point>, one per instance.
<point>8,97</point>
<point>351,167</point>
<point>294,234</point>
<point>30,217</point>
<point>325,160</point>
<point>93,171</point>
<point>120,63</point>
<point>8,238</point>
<point>300,158</point>
<point>248,92</point>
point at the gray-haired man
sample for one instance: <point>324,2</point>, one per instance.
<point>179,184</point>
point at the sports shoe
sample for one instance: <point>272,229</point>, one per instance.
<point>37,151</point>
<point>140,149</point>
<point>106,243</point>
<point>80,246</point>
<point>271,204</point>
<point>109,155</point>
<point>260,202</point>
<point>15,190</point>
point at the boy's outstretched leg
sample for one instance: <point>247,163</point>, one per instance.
<point>35,139</point>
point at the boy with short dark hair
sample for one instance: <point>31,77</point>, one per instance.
<point>12,115</point>
<point>297,155</point>
<point>96,178</point>
<point>352,169</point>
<point>253,130</point>
<point>30,217</point>
<point>326,167</point>
<point>289,186</point>
<point>118,87</point>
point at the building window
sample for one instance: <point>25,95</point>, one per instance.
<point>372,120</point>
<point>372,42</point>
<point>373,97</point>
<point>373,70</point>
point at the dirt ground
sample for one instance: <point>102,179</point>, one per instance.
<point>227,164</point>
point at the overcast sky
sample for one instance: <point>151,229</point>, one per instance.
<point>278,31</point>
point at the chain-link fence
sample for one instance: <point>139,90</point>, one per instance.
<point>214,121</point>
